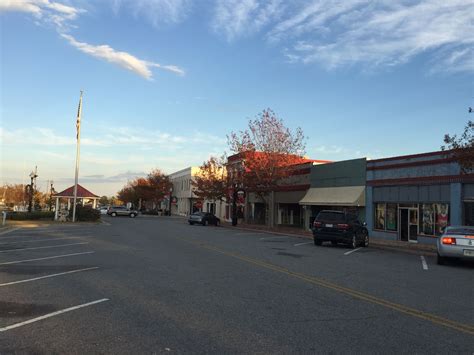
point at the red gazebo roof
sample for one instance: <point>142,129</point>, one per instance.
<point>81,192</point>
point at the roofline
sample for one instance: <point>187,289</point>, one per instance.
<point>419,155</point>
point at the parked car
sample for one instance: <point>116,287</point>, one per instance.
<point>103,209</point>
<point>340,227</point>
<point>122,211</point>
<point>456,242</point>
<point>204,218</point>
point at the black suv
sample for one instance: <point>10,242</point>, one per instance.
<point>340,227</point>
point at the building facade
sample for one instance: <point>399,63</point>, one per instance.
<point>336,186</point>
<point>413,198</point>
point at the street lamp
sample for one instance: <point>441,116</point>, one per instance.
<point>33,176</point>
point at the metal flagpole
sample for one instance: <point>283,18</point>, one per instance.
<point>78,151</point>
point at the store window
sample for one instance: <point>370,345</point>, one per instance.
<point>427,219</point>
<point>380,216</point>
<point>392,220</point>
<point>469,213</point>
<point>442,217</point>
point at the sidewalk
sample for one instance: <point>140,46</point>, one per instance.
<point>378,243</point>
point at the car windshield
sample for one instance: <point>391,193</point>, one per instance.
<point>463,230</point>
<point>198,214</point>
<point>329,216</point>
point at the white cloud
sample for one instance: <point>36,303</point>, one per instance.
<point>155,11</point>
<point>42,137</point>
<point>235,18</point>
<point>341,33</point>
<point>44,10</point>
<point>122,59</point>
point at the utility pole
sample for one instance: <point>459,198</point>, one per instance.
<point>32,187</point>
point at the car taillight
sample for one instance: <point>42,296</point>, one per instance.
<point>317,224</point>
<point>448,240</point>
<point>343,226</point>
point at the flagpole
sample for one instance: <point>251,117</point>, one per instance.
<point>78,152</point>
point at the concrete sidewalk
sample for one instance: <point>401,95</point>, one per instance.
<point>394,245</point>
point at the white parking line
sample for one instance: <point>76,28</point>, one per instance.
<point>49,315</point>
<point>351,251</point>
<point>9,230</point>
<point>423,263</point>
<point>296,245</point>
<point>273,238</point>
<point>48,276</point>
<point>248,233</point>
<point>50,246</point>
<point>42,240</point>
<point>46,258</point>
<point>106,223</point>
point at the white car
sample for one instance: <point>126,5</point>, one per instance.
<point>456,242</point>
<point>103,209</point>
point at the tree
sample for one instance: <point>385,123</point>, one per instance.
<point>153,189</point>
<point>104,200</point>
<point>265,154</point>
<point>462,147</point>
<point>159,186</point>
<point>13,194</point>
<point>211,182</point>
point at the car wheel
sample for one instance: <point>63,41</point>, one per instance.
<point>354,242</point>
<point>365,242</point>
<point>204,223</point>
<point>191,223</point>
<point>441,260</point>
<point>132,215</point>
<point>317,242</point>
<point>334,243</point>
<point>113,214</point>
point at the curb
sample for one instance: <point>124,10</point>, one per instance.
<point>374,243</point>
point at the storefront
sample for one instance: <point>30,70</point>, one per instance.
<point>336,186</point>
<point>413,198</point>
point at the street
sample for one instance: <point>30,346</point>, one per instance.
<point>159,285</point>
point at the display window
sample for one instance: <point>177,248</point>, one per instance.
<point>442,217</point>
<point>427,225</point>
<point>391,216</point>
<point>380,216</point>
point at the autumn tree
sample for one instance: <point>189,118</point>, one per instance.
<point>13,194</point>
<point>266,152</point>
<point>211,182</point>
<point>153,189</point>
<point>462,147</point>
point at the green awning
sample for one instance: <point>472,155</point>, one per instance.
<point>335,196</point>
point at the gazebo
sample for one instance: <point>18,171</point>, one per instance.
<point>82,195</point>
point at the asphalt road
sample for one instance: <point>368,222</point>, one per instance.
<point>159,285</point>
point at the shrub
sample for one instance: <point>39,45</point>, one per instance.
<point>25,216</point>
<point>85,213</point>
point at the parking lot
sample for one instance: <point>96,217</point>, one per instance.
<point>157,284</point>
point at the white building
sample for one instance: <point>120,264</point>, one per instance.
<point>184,201</point>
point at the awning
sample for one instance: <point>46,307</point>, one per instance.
<point>335,196</point>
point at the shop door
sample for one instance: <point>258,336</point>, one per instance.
<point>403,222</point>
<point>413,225</point>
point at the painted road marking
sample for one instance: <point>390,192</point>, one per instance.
<point>47,258</point>
<point>273,238</point>
<point>461,327</point>
<point>42,240</point>
<point>49,315</point>
<point>50,246</point>
<point>9,230</point>
<point>106,223</point>
<point>48,276</point>
<point>423,263</point>
<point>297,245</point>
<point>351,251</point>
<point>248,233</point>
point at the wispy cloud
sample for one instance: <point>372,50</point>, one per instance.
<point>122,59</point>
<point>236,18</point>
<point>341,33</point>
<point>42,137</point>
<point>156,12</point>
<point>44,10</point>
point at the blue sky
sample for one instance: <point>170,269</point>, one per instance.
<point>166,80</point>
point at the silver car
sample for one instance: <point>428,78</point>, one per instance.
<point>122,211</point>
<point>456,242</point>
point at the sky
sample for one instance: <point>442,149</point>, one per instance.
<point>166,80</point>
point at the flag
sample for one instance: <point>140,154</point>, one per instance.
<point>78,120</point>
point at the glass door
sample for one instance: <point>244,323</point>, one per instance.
<point>403,222</point>
<point>413,225</point>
